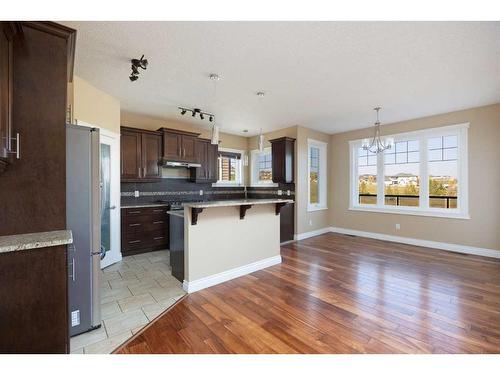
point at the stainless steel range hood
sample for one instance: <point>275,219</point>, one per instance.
<point>179,164</point>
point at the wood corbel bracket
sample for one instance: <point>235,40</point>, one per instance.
<point>243,210</point>
<point>194,215</point>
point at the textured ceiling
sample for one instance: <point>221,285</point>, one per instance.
<point>324,75</point>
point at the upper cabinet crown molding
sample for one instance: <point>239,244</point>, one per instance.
<point>60,31</point>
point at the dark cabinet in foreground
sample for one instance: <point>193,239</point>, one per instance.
<point>140,153</point>
<point>34,301</point>
<point>144,229</point>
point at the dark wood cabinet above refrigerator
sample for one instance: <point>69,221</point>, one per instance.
<point>283,156</point>
<point>140,154</point>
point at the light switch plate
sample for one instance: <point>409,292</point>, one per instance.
<point>201,192</point>
<point>136,193</point>
<point>280,192</point>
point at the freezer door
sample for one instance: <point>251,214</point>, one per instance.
<point>96,226</point>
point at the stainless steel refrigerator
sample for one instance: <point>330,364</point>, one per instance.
<point>83,201</point>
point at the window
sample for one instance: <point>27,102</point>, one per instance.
<point>402,174</point>
<point>261,172</point>
<point>317,177</point>
<point>424,173</point>
<point>230,168</point>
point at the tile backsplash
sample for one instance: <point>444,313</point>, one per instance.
<point>183,190</point>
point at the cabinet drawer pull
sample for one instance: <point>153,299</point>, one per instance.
<point>135,241</point>
<point>158,222</point>
<point>158,238</point>
<point>134,212</point>
<point>157,210</point>
<point>134,225</point>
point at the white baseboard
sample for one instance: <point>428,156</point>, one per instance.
<point>195,285</point>
<point>425,243</point>
<point>317,232</point>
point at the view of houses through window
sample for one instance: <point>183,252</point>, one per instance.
<point>403,172</point>
<point>229,167</point>
<point>313,174</point>
<point>265,167</point>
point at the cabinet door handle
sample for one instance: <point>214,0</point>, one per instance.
<point>139,172</point>
<point>134,212</point>
<point>18,144</point>
<point>158,222</point>
<point>143,171</point>
<point>134,225</point>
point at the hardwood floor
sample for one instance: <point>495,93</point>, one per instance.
<point>341,294</point>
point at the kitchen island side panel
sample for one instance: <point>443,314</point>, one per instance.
<point>221,241</point>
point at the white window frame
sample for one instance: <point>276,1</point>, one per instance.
<point>254,170</point>
<point>239,171</point>
<point>462,210</point>
<point>323,175</point>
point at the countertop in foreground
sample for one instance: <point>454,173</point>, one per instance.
<point>236,202</point>
<point>35,240</point>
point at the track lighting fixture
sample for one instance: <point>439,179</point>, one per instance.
<point>197,111</point>
<point>136,64</point>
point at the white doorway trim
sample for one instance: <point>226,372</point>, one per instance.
<point>113,140</point>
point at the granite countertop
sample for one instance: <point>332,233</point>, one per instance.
<point>179,213</point>
<point>142,205</point>
<point>236,202</point>
<point>35,240</point>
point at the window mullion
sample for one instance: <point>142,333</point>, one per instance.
<point>380,179</point>
<point>424,175</point>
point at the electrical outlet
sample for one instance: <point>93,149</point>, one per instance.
<point>398,226</point>
<point>75,318</point>
<point>136,193</point>
<point>280,192</point>
<point>310,223</point>
<point>201,192</point>
<point>288,192</point>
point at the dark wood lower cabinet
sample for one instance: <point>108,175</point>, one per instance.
<point>287,220</point>
<point>144,229</point>
<point>177,247</point>
<point>34,301</point>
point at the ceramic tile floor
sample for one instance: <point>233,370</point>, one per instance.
<point>133,293</point>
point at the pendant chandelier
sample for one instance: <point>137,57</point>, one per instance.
<point>377,145</point>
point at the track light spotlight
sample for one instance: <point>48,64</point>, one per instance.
<point>211,118</point>
<point>136,64</point>
<point>201,116</point>
<point>183,112</point>
<point>193,114</point>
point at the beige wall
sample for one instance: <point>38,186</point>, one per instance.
<point>481,230</point>
<point>220,241</point>
<point>94,106</point>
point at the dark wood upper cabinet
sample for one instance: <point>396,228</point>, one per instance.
<point>151,155</point>
<point>283,156</point>
<point>179,145</point>
<point>206,155</point>
<point>140,155</point>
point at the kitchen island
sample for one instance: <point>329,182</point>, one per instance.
<point>227,239</point>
